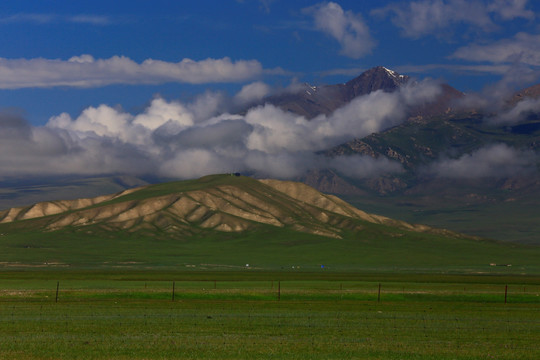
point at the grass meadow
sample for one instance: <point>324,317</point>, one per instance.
<point>267,315</point>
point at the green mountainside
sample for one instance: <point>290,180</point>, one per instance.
<point>501,207</point>
<point>420,141</point>
<point>227,221</point>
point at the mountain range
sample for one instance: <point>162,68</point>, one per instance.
<point>310,101</point>
<point>437,147</point>
<point>450,159</point>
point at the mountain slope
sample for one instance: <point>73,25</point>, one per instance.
<point>222,203</point>
<point>464,204</point>
<point>226,221</point>
<point>310,101</point>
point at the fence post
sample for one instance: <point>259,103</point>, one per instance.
<point>57,287</point>
<point>279,291</point>
<point>379,294</point>
<point>505,292</point>
<point>173,285</point>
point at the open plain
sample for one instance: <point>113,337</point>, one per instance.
<point>267,315</point>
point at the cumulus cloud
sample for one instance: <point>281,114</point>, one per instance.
<point>182,140</point>
<point>29,150</point>
<point>428,17</point>
<point>348,28</point>
<point>86,71</point>
<point>499,160</point>
<point>275,130</point>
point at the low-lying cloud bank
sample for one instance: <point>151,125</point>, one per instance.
<point>494,161</point>
<point>86,71</point>
<point>518,113</point>
<point>188,140</point>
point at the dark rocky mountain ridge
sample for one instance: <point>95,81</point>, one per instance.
<point>310,101</point>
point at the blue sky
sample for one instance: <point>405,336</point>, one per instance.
<point>287,41</point>
<point>150,87</point>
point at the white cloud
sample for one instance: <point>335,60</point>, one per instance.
<point>348,28</point>
<point>517,59</point>
<point>183,140</point>
<point>43,19</point>
<point>275,131</point>
<point>252,92</point>
<point>28,150</point>
<point>89,19</point>
<point>160,112</point>
<point>435,17</point>
<point>498,160</point>
<point>522,48</point>
<point>499,69</point>
<point>517,113</point>
<point>101,121</point>
<point>85,71</point>
<point>208,105</point>
<point>371,113</point>
<point>511,9</point>
<point>193,163</point>
<point>494,97</point>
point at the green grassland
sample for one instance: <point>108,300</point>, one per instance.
<point>99,292</point>
<point>377,247</point>
<point>363,246</point>
<point>508,221</point>
<point>270,315</point>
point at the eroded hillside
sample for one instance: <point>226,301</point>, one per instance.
<point>222,203</point>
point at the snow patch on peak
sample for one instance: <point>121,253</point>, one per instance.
<point>311,88</point>
<point>393,74</point>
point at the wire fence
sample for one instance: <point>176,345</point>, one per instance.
<point>278,290</point>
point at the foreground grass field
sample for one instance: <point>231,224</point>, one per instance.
<point>279,315</point>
